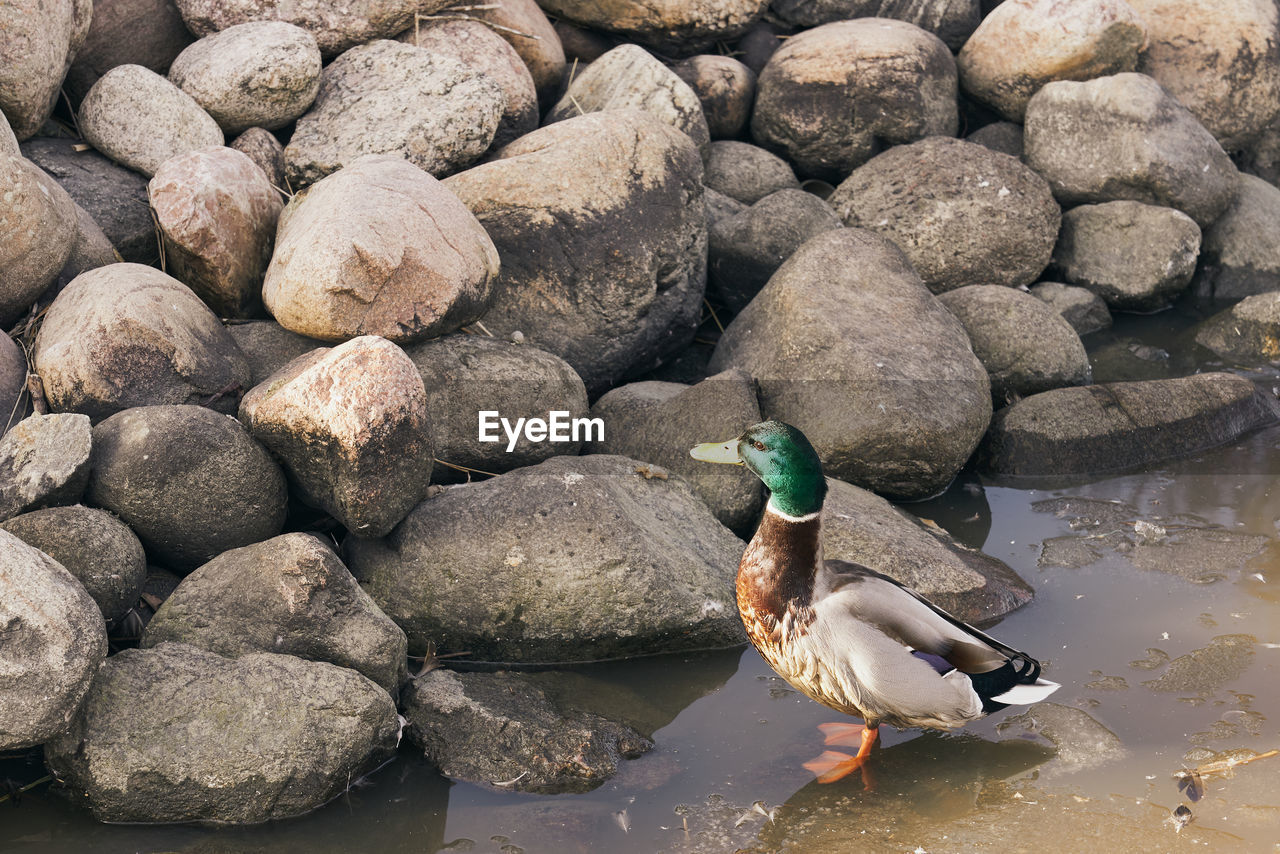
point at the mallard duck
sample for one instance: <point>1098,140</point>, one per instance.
<point>847,636</point>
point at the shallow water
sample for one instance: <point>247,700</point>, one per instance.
<point>1164,627</point>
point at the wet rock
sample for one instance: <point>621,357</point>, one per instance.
<point>1080,740</point>
<point>885,384</point>
<point>228,740</point>
<point>1080,307</point>
<point>680,28</point>
<point>217,213</point>
<point>1024,44</point>
<point>1024,344</point>
<point>1246,334</point>
<point>501,729</point>
<point>746,172</point>
<point>518,20</point>
<point>98,549</point>
<point>630,78</point>
<point>953,21</point>
<point>476,45</point>
<point>305,603</point>
<point>745,250</point>
<point>90,251</point>
<point>257,74</point>
<point>608,271</point>
<point>928,197</point>
<point>268,346</point>
<point>15,403</point>
<point>54,641</point>
<point>1120,425</point>
<point>1204,671</point>
<point>149,33</point>
<point>35,53</point>
<point>1124,137</point>
<point>574,559</point>
<point>139,119</point>
<point>44,462</point>
<point>1240,252</point>
<point>128,335</point>
<point>350,423</point>
<point>1136,257</point>
<point>654,421</point>
<point>388,97</point>
<point>466,374</point>
<point>726,89</point>
<point>37,234</point>
<point>832,96</point>
<point>379,248</point>
<point>262,147</point>
<point>1004,137</point>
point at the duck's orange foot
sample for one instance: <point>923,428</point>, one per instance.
<point>848,735</point>
<point>833,765</point>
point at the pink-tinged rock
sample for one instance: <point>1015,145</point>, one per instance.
<point>149,33</point>
<point>38,40</point>
<point>265,150</point>
<point>217,213</point>
<point>379,248</point>
<point>15,403</point>
<point>525,27</point>
<point>37,233</point>
<point>350,424</point>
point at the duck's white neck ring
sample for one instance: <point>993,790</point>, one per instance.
<point>773,509</point>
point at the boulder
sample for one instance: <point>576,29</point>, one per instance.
<point>55,639</point>
<point>237,741</point>
<point>525,27</point>
<point>8,142</point>
<point>953,21</point>
<point>1004,137</point>
<point>1024,44</point>
<point>1136,257</point>
<point>932,196</point>
<point>465,375</point>
<point>1124,137</point>
<point>1080,307</point>
<point>379,248</point>
<point>387,97</point>
<point>139,119</point>
<point>257,74</point>
<point>91,250</point>
<point>262,147</point>
<point>847,344</point>
<point>351,426</point>
<point>746,172</point>
<point>36,50</point>
<point>102,553</point>
<point>832,96</point>
<point>574,559</point>
<point>1116,426</point>
<point>682,27</point>
<point>217,214</point>
<point>127,335</point>
<point>44,462</point>
<point>726,89</point>
<point>607,271</point>
<point>305,603</point>
<point>1240,252</point>
<point>758,45</point>
<point>720,207</point>
<point>1247,334</point>
<point>189,481</point>
<point>149,33</point>
<point>37,234</point>
<point>268,346</point>
<point>15,403</point>
<point>1025,345</point>
<point>583,45</point>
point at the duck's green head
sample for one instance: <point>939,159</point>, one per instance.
<point>779,455</point>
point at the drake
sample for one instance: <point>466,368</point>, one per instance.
<point>847,636</point>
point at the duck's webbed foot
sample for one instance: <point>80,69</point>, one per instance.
<point>833,765</point>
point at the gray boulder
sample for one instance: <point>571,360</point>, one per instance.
<point>237,741</point>
<point>953,21</point>
<point>37,234</point>
<point>268,346</point>
<point>262,147</point>
<point>1080,307</point>
<point>55,639</point>
<point>1247,334</point>
<point>44,462</point>
<point>1115,426</point>
<point>726,89</point>
<point>149,33</point>
<point>36,50</point>
<point>1004,137</point>
<point>305,603</point>
<point>574,559</point>
<point>746,172</point>
<point>90,251</point>
<point>189,481</point>
<point>515,21</point>
<point>1240,252</point>
<point>932,196</point>
<point>720,207</point>
<point>15,402</point>
<point>679,28</point>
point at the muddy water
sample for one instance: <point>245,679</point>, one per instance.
<point>1157,608</point>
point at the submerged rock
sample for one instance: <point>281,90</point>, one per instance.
<point>44,462</point>
<point>1080,740</point>
<point>1246,334</point>
<point>1203,671</point>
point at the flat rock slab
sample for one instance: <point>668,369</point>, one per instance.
<point>1204,671</point>
<point>44,462</point>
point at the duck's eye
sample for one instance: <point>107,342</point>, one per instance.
<point>759,446</point>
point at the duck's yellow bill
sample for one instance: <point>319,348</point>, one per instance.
<point>717,452</point>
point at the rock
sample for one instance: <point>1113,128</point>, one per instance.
<point>228,740</point>
<point>726,89</point>
<point>91,250</point>
<point>305,603</point>
<point>1024,344</point>
<point>629,78</point>
<point>525,27</point>
<point>1240,252</point>
<point>746,172</point>
<point>37,234</point>
<point>217,213</point>
<point>747,249</point>
<point>931,196</point>
<point>466,374</point>
<point>847,344</point>
<point>257,74</point>
<point>387,97</point>
<point>44,462</point>
<point>114,196</point>
<point>149,33</point>
<point>953,21</point>
<point>1080,307</point>
<point>55,640</point>
<point>654,421</point>
<point>1247,334</point>
<point>268,346</point>
<point>574,559</point>
<point>758,45</point>
<point>720,207</point>
<point>1136,257</point>
<point>37,48</point>
<point>98,549</point>
<point>1204,671</point>
<point>1124,137</point>
<point>126,335</point>
<point>1079,739</point>
<point>832,96</point>
<point>1116,426</point>
<point>379,248</point>
<point>475,45</point>
<point>583,45</point>
<point>1004,137</point>
<point>490,728</point>
<point>8,142</point>
<point>1261,159</point>
<point>680,28</point>
<point>1024,44</point>
<point>606,271</point>
<point>350,423</point>
<point>15,403</point>
<point>261,146</point>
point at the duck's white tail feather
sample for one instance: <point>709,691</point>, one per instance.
<point>1025,695</point>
